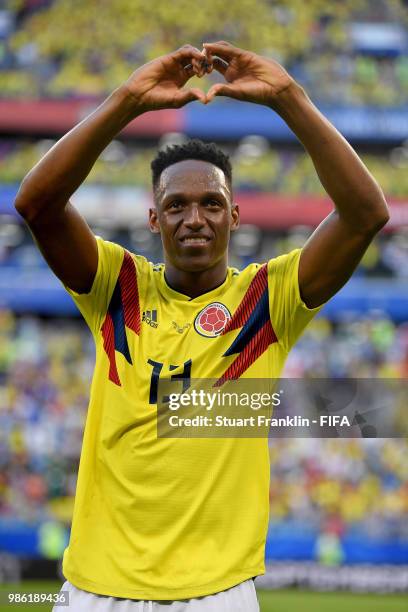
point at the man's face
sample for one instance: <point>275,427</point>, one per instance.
<point>194,214</point>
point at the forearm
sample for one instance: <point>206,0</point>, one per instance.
<point>63,169</point>
<point>358,199</point>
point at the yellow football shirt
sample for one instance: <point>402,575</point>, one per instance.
<point>174,518</point>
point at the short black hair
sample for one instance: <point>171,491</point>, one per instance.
<point>193,149</point>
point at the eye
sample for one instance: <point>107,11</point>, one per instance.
<point>175,204</point>
<point>213,203</point>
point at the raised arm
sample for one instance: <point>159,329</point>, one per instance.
<point>336,247</point>
<point>61,233</point>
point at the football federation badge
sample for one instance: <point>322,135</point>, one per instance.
<point>211,320</point>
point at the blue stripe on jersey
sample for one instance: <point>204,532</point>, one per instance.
<point>118,317</point>
<point>256,320</point>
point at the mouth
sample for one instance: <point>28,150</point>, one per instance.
<point>195,240</point>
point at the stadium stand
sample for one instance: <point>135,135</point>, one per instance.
<point>257,166</point>
<point>332,53</point>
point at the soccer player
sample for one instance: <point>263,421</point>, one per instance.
<point>166,523</point>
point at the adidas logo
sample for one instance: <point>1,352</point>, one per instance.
<point>150,317</point>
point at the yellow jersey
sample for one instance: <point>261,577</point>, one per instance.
<point>174,518</point>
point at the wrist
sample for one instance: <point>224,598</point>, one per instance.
<point>128,102</point>
<point>289,99</point>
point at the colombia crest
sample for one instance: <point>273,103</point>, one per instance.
<point>211,320</point>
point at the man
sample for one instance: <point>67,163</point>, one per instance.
<point>161,520</point>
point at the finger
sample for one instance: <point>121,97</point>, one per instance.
<point>198,66</point>
<point>221,89</point>
<point>189,71</point>
<point>223,49</point>
<point>208,61</point>
<point>220,65</point>
<point>184,96</point>
<point>187,52</point>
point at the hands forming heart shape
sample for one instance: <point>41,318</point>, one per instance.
<point>248,77</point>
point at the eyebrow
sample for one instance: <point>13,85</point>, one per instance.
<point>205,194</point>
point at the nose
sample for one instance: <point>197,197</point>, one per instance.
<point>194,219</point>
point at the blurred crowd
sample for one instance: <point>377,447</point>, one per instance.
<point>63,48</point>
<point>256,166</point>
<point>341,487</point>
<point>45,370</point>
<point>354,79</point>
<point>357,347</point>
<point>386,257</point>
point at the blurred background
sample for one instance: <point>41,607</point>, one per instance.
<point>338,507</point>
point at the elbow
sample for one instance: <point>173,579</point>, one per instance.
<point>23,209</point>
<point>377,217</point>
<point>381,217</point>
<point>383,220</point>
<point>22,202</point>
<point>25,204</point>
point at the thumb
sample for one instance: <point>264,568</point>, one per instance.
<point>184,96</point>
<point>221,89</point>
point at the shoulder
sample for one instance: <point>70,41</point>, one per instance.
<point>144,267</point>
<point>147,273</point>
<point>251,280</point>
<point>284,262</point>
<point>246,273</point>
<point>118,253</point>
<point>119,263</point>
<point>277,272</point>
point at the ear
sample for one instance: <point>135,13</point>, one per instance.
<point>234,217</point>
<point>154,221</point>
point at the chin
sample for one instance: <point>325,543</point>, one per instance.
<point>194,264</point>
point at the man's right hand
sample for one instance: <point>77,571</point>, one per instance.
<point>160,83</point>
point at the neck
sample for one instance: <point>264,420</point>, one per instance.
<point>196,282</point>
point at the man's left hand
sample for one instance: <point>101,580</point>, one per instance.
<point>250,77</point>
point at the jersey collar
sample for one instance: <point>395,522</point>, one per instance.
<point>172,294</point>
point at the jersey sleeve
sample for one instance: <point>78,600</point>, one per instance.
<point>94,305</point>
<point>289,314</point>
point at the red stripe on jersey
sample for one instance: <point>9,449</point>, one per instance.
<point>254,349</point>
<point>130,293</point>
<point>109,346</point>
<point>249,301</point>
